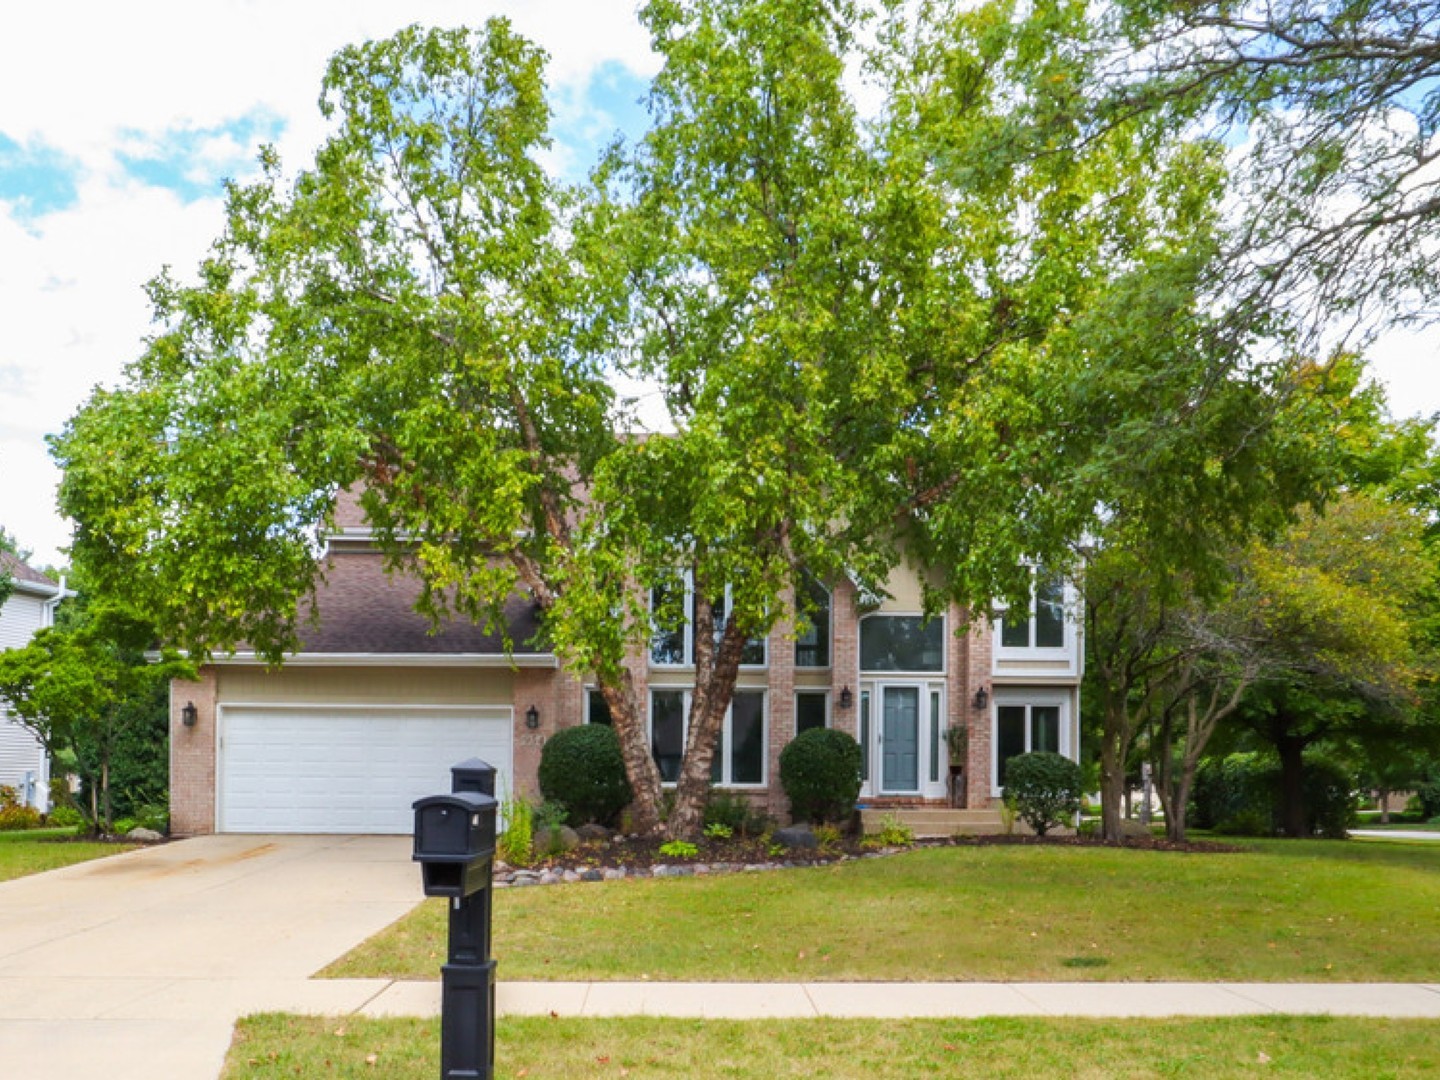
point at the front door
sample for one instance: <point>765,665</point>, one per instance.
<point>899,739</point>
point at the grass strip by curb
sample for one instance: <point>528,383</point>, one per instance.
<point>279,1045</point>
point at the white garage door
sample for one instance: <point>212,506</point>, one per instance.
<point>347,770</point>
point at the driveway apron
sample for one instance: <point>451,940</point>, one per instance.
<point>138,965</point>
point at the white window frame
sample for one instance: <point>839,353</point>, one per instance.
<point>688,650</point>
<point>1028,698</point>
<point>887,675</point>
<point>726,735</point>
<point>1030,651</point>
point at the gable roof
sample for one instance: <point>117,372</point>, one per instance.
<point>364,610</point>
<point>27,579</point>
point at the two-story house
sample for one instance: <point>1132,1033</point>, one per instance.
<point>30,607</point>
<point>375,707</point>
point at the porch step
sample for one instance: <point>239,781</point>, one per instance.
<point>935,821</point>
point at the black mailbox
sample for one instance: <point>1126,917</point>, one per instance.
<point>473,775</point>
<point>455,842</point>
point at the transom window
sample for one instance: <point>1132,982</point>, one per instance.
<point>902,643</point>
<point>739,759</point>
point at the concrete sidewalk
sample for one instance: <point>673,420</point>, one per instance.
<point>897,1000</point>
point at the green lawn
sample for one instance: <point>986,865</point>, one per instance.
<point>535,1047</point>
<point>35,850</point>
<point>1284,911</point>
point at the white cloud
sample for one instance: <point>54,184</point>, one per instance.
<point>109,82</point>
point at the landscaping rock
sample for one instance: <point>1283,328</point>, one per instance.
<point>592,832</point>
<point>614,873</point>
<point>796,836</point>
<point>563,839</point>
<point>591,875</point>
<point>148,836</point>
<point>1131,829</point>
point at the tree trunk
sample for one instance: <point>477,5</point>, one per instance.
<point>1112,779</point>
<point>715,673</point>
<point>640,768</point>
<point>1292,785</point>
<point>1383,797</point>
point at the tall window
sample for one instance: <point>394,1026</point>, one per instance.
<point>597,709</point>
<point>674,646</point>
<point>1022,729</point>
<point>1041,623</point>
<point>902,643</point>
<point>739,759</point>
<point>812,710</point>
<point>812,647</point>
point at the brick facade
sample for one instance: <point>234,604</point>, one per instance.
<point>192,756</point>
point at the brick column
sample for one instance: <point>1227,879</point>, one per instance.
<point>192,756</point>
<point>981,652</point>
<point>557,697</point>
<point>845,657</point>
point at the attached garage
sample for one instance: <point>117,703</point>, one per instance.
<point>347,769</point>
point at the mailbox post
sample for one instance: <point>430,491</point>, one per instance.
<point>455,847</point>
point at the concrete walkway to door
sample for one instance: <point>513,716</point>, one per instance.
<point>137,966</point>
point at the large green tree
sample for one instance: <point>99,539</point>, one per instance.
<point>1335,606</point>
<point>924,330</point>
<point>1332,108</point>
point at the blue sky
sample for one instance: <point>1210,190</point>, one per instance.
<point>35,179</point>
<point>117,132</point>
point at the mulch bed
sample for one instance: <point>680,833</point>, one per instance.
<point>635,853</point>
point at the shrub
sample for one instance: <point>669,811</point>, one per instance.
<point>1426,800</point>
<point>65,817</point>
<point>1329,797</point>
<point>1044,788</point>
<point>679,849</point>
<point>820,772</point>
<point>735,812</point>
<point>123,825</point>
<point>582,768</point>
<point>893,833</point>
<point>155,816</point>
<point>1236,795</point>
<point>15,817</point>
<point>1239,795</point>
<point>516,844</point>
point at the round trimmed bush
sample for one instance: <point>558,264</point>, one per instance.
<point>582,768</point>
<point>1044,789</point>
<point>820,772</point>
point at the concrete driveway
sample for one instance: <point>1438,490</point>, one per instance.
<point>138,965</point>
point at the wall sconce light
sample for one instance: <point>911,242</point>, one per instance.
<point>532,718</point>
<point>189,714</point>
<point>846,698</point>
<point>982,698</point>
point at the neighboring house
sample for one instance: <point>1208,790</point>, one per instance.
<point>31,605</point>
<point>373,710</point>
